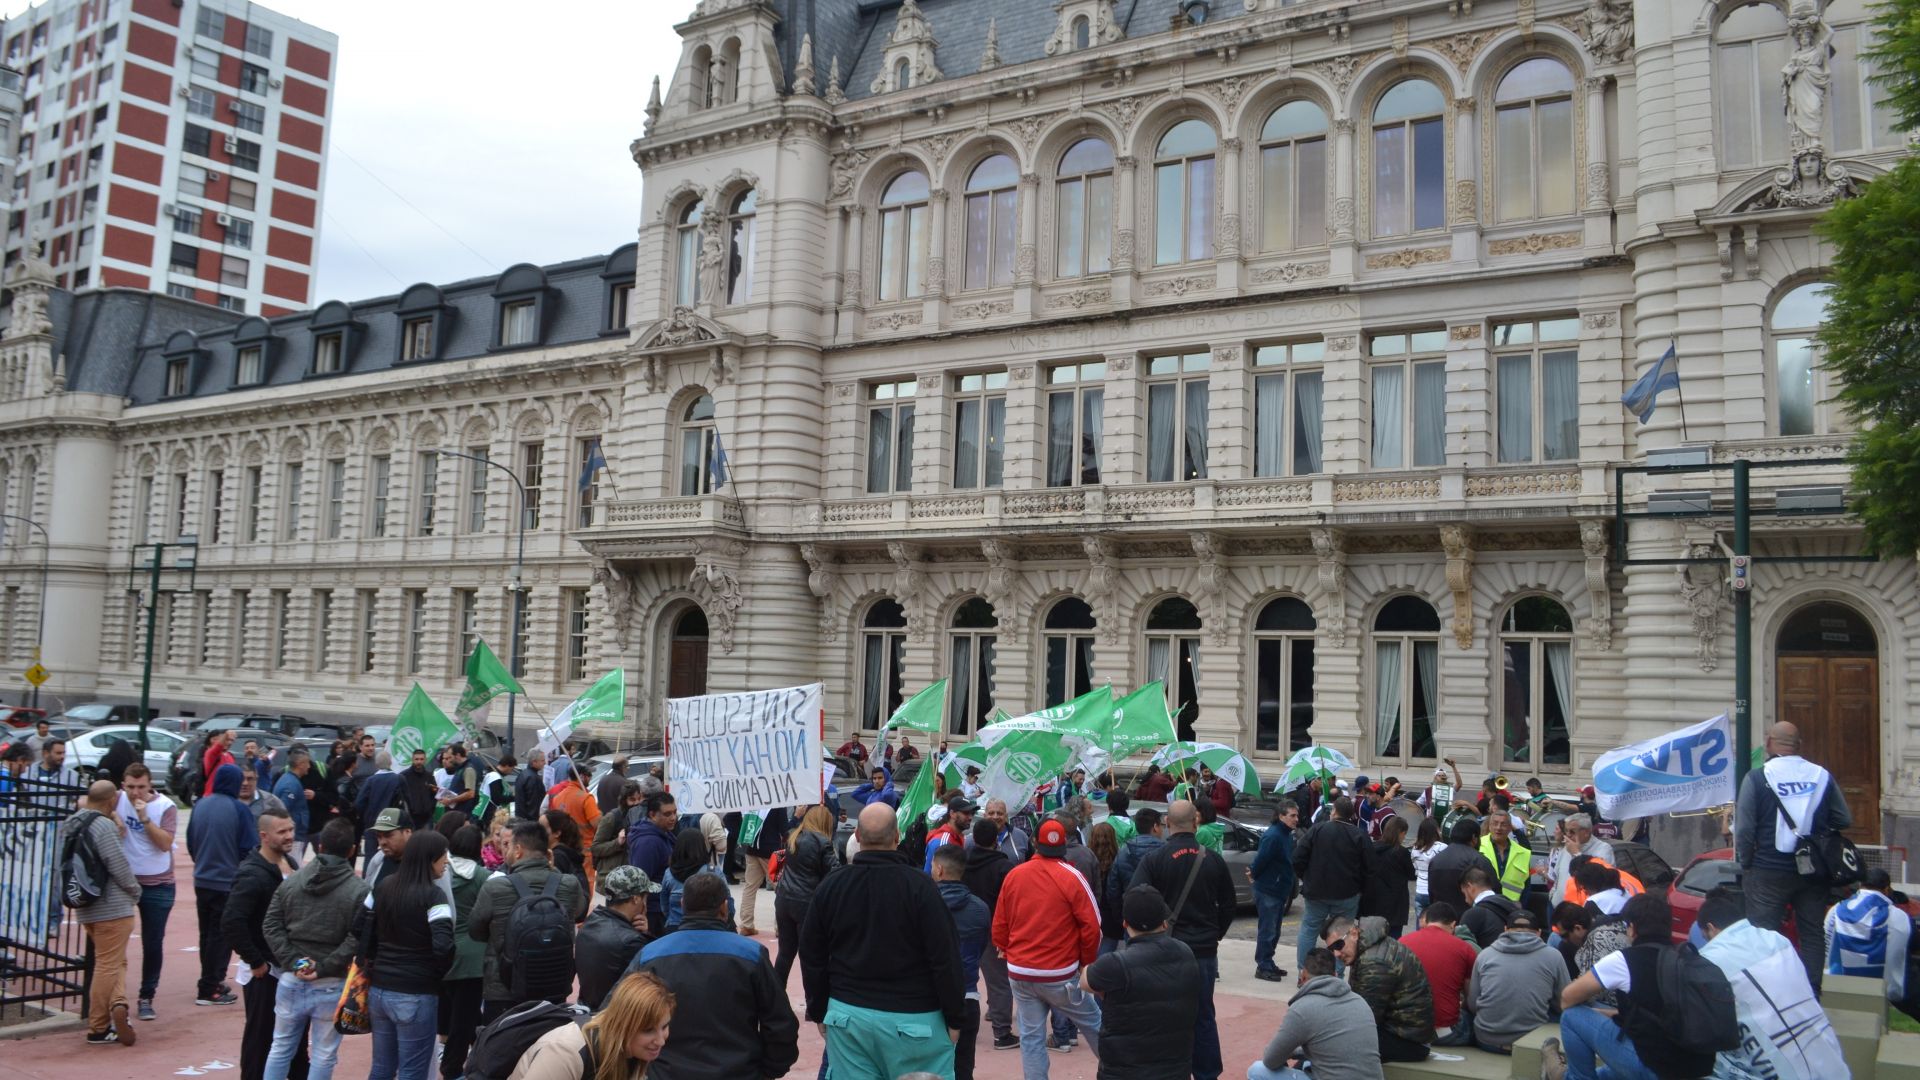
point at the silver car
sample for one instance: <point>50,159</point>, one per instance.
<point>86,749</point>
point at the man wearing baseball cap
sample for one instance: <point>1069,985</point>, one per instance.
<point>1047,925</point>
<point>613,934</point>
<point>953,828</point>
<point>1150,994</point>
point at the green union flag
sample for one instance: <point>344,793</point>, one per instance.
<point>1141,719</point>
<point>1090,716</point>
<point>919,796</point>
<point>420,725</point>
<point>925,711</point>
<point>487,678</point>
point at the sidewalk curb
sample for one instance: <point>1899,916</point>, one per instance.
<point>58,1022</point>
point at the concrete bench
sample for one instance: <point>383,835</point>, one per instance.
<point>1899,1057</point>
<point>1859,1038</point>
<point>1853,993</point>
<point>1526,1052</point>
<point>1477,1065</point>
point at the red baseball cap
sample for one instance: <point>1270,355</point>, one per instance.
<point>1052,839</point>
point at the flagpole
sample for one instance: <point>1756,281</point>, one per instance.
<point>1679,387</point>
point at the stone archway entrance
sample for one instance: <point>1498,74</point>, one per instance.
<point>1828,672</point>
<point>687,653</point>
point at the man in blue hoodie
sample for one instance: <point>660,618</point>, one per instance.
<point>220,833</point>
<point>650,847</point>
<point>377,792</point>
<point>1272,877</point>
<point>973,926</point>
<point>878,789</point>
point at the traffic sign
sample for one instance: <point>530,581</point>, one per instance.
<point>36,675</point>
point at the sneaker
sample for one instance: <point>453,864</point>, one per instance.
<point>1553,1060</point>
<point>102,1038</point>
<point>146,1009</point>
<point>122,1027</point>
<point>1060,1046</point>
<point>1006,1042</point>
<point>1269,974</point>
<point>220,997</point>
<point>748,931</point>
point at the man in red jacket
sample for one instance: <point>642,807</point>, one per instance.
<point>1048,928</point>
<point>218,752</point>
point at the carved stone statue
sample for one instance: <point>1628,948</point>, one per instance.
<point>1806,78</point>
<point>1810,181</point>
<point>1609,34</point>
<point>713,259</point>
<point>620,606</point>
<point>1700,590</point>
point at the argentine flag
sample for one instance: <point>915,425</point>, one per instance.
<point>1644,395</point>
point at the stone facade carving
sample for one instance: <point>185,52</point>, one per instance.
<point>911,40</point>
<point>1702,591</point>
<point>1180,286</point>
<point>1102,575</point>
<point>845,170</point>
<point>1228,91</point>
<point>1075,299</point>
<point>1609,30</point>
<point>1125,110</point>
<point>1330,555</point>
<point>910,585</point>
<point>617,602</point>
<point>893,320</point>
<point>836,86</point>
<point>1464,331</point>
<point>1208,586</point>
<point>1810,181</point>
<point>1595,541</point>
<point>1457,542</point>
<point>990,55</point>
<point>803,73</point>
<point>820,582</point>
<point>1806,78</point>
<point>1002,586</point>
<point>1599,185</point>
<point>1341,70</point>
<point>683,327</point>
<point>1226,241</point>
<point>1122,249</point>
<point>1406,258</point>
<point>1533,243</point>
<point>1498,485</point>
<point>1466,201</point>
<point>715,584</point>
<point>983,309</point>
<point>1288,272</point>
<point>1461,48</point>
<point>1103,25</point>
<point>1598,320</point>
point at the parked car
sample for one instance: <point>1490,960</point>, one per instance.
<point>20,716</point>
<point>86,749</point>
<point>185,777</point>
<point>100,713</point>
<point>282,722</point>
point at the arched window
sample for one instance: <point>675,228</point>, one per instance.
<point>970,656</point>
<point>702,76</point>
<point>883,650</point>
<point>686,255</point>
<point>1536,696</point>
<point>1173,659</point>
<point>992,194</point>
<point>1406,680</point>
<point>726,73</point>
<point>1803,389</point>
<point>1067,641</point>
<point>1183,193</point>
<point>902,74</point>
<point>1750,48</point>
<point>1084,190</point>
<point>903,235</point>
<point>1082,32</point>
<point>1409,159</point>
<point>740,247</point>
<point>699,448</point>
<point>1283,683</point>
<point>1533,141</point>
<point>1293,178</point>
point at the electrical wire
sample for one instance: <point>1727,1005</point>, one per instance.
<point>371,257</point>
<point>338,149</point>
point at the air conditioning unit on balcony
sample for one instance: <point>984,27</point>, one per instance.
<point>166,209</point>
<point>232,144</point>
<point>186,91</point>
<point>273,84</point>
<point>211,175</point>
<point>224,219</point>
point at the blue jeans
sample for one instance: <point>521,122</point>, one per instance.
<point>156,903</point>
<point>1066,998</point>
<point>1258,1071</point>
<point>299,1007</point>
<point>1318,913</point>
<point>404,1028</point>
<point>1271,909</point>
<point>1586,1034</point>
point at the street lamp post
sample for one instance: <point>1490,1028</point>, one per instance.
<point>187,560</point>
<point>519,585</point>
<point>46,551</point>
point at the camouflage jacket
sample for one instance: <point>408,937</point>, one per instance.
<point>1390,979</point>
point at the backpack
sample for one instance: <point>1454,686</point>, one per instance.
<point>499,1046</point>
<point>538,956</point>
<point>1824,855</point>
<point>1697,1014</point>
<point>83,873</point>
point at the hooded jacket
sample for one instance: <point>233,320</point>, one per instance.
<point>1046,923</point>
<point>1210,905</point>
<point>1329,1024</point>
<point>1149,987</point>
<point>293,795</point>
<point>416,793</point>
<point>1390,978</point>
<point>811,860</point>
<point>650,848</point>
<point>488,921</point>
<point>1515,987</point>
<point>220,832</point>
<point>467,877</point>
<point>868,794</point>
<point>1486,918</point>
<point>972,926</point>
<point>311,915</point>
<point>987,870</point>
<point>243,920</point>
<point>1332,860</point>
<point>1120,874</point>
<point>732,1018</point>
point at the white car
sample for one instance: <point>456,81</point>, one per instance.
<point>86,749</point>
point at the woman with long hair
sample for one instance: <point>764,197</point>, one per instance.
<point>1426,844</point>
<point>810,857</point>
<point>493,853</point>
<point>567,856</point>
<point>1105,845</point>
<point>460,992</point>
<point>1385,893</point>
<point>619,1043</point>
<point>406,934</point>
<point>692,854</point>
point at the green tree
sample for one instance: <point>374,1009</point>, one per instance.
<point>1872,332</point>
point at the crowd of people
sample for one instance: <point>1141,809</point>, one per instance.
<point>435,908</point>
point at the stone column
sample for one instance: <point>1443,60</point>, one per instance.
<point>1026,426</point>
<point>1227,241</point>
<point>1229,418</point>
<point>1026,261</point>
<point>932,436</point>
<point>1121,460</point>
<point>1343,404</point>
<point>1470,429</point>
<point>935,306</point>
<point>1463,213</point>
<point>1126,216</point>
<point>852,290</point>
<point>1596,193</point>
<point>1343,259</point>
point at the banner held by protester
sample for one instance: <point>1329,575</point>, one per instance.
<point>1688,769</point>
<point>420,725</point>
<point>747,752</point>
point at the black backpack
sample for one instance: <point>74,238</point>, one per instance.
<point>83,873</point>
<point>1697,1014</point>
<point>538,956</point>
<point>499,1046</point>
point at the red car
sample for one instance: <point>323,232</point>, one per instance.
<point>20,716</point>
<point>1713,869</point>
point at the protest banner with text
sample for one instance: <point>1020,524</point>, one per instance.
<point>747,752</point>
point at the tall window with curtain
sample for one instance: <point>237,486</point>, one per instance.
<point>1406,681</point>
<point>1533,141</point>
<point>1536,695</point>
<point>890,436</point>
<point>1075,396</point>
<point>883,650</point>
<point>993,190</point>
<point>1173,659</point>
<point>698,440</point>
<point>1283,675</point>
<point>979,429</point>
<point>1803,390</point>
<point>1293,178</point>
<point>1409,159</point>
<point>1407,376</point>
<point>686,255</point>
<point>1750,48</point>
<point>1287,394</point>
<point>1066,643</point>
<point>970,663</point>
<point>740,219</point>
<point>1537,390</point>
<point>1183,193</point>
<point>1083,221</point>
<point>903,236</point>
<point>1177,417</point>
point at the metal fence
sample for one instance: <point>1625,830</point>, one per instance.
<point>45,957</point>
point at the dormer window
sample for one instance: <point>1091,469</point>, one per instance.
<point>520,299</point>
<point>249,365</point>
<point>902,74</point>
<point>1082,32</point>
<point>422,314</point>
<point>516,323</point>
<point>335,336</point>
<point>621,298</point>
<point>327,354</point>
<point>177,360</point>
<point>177,370</point>
<point>416,339</point>
<point>617,277</point>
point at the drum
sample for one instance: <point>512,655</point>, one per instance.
<point>1412,813</point>
<point>1457,814</point>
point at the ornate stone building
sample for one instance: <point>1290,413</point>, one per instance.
<point>1273,350</point>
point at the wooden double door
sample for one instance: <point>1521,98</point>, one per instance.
<point>1835,702</point>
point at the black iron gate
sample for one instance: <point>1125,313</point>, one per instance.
<point>45,957</point>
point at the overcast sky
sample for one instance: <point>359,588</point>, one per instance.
<point>504,125</point>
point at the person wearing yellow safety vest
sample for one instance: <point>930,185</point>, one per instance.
<point>1512,861</point>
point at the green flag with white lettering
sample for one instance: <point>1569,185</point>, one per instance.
<point>487,678</point>
<point>420,725</point>
<point>1141,719</point>
<point>925,711</point>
